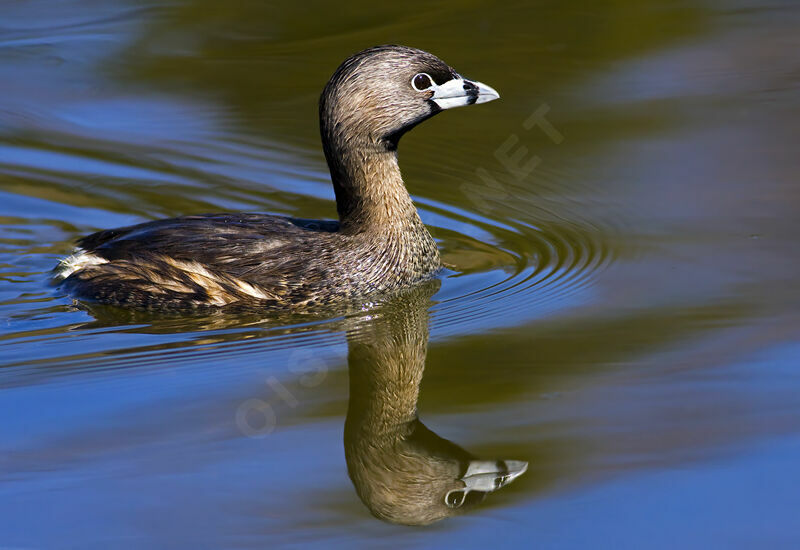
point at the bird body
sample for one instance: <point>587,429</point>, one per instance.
<point>262,261</point>
<point>218,260</point>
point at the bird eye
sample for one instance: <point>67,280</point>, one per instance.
<point>421,82</point>
<point>455,498</point>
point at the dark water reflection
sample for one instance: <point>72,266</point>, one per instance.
<point>623,316</point>
<point>401,470</point>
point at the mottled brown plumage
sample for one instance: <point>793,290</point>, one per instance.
<point>259,261</point>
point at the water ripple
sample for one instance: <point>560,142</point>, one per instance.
<point>539,256</point>
<point>533,269</point>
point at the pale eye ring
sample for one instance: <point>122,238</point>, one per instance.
<point>421,82</point>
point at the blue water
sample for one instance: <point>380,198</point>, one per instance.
<point>624,317</point>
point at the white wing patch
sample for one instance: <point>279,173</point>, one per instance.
<point>75,262</point>
<point>222,289</point>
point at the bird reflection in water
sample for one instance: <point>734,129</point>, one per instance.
<point>402,471</point>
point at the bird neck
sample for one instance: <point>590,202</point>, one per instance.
<point>370,193</point>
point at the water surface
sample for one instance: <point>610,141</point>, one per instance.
<point>620,308</point>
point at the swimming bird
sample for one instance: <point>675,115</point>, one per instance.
<point>379,243</point>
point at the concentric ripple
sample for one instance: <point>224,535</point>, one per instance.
<point>524,261</point>
<point>71,165</point>
<point>511,271</point>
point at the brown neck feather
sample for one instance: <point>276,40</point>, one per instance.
<point>370,193</point>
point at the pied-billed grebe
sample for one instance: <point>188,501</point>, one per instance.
<point>262,261</point>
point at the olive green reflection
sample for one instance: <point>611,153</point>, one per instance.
<point>401,470</point>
